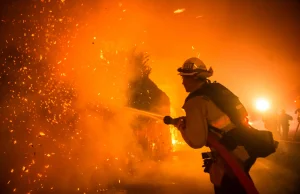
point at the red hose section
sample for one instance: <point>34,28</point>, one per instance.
<point>232,163</point>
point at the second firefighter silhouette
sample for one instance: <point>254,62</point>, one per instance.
<point>284,124</point>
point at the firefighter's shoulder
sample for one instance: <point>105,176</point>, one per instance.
<point>196,101</point>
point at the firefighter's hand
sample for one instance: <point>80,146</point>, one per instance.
<point>180,124</point>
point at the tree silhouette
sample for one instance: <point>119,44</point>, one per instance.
<point>144,94</point>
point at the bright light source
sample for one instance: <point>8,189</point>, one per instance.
<point>262,104</point>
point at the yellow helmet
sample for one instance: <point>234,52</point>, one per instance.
<point>195,67</point>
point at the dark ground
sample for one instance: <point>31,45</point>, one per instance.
<point>279,173</point>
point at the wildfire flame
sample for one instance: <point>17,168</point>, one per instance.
<point>175,134</point>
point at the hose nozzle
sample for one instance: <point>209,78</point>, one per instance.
<point>170,121</point>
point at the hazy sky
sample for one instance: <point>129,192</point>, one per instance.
<point>252,45</point>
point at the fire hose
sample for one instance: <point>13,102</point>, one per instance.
<point>228,158</point>
<point>213,143</point>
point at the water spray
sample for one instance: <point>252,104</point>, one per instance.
<point>146,113</point>
<point>166,119</point>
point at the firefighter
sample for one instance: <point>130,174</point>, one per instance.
<point>201,112</point>
<point>298,114</point>
<point>297,111</point>
<point>284,124</point>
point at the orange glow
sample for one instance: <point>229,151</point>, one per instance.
<point>262,104</point>
<point>177,141</point>
<point>66,66</point>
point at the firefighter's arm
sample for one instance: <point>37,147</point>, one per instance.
<point>201,112</point>
<point>194,127</point>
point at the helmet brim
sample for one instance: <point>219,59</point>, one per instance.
<point>201,73</point>
<point>187,74</point>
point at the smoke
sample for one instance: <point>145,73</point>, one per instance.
<point>66,67</point>
<point>63,126</point>
<point>64,87</point>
